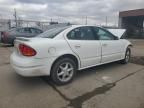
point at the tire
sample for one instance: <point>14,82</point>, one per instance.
<point>63,71</point>
<point>127,56</point>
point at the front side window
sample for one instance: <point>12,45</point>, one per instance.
<point>103,34</point>
<point>81,33</point>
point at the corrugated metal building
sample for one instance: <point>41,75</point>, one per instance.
<point>133,21</point>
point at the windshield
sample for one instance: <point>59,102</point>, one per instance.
<point>52,32</point>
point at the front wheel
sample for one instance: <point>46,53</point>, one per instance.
<point>63,71</point>
<point>127,56</point>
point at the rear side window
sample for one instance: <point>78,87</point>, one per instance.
<point>81,33</point>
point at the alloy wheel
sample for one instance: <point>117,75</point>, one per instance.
<point>65,72</point>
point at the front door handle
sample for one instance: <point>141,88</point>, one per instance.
<point>104,45</point>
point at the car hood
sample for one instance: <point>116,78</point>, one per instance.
<point>117,32</point>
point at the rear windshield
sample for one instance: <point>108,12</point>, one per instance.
<point>52,32</point>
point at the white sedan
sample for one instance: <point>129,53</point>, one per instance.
<point>60,52</point>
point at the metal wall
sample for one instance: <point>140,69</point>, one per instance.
<point>133,21</point>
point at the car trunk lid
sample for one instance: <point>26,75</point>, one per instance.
<point>38,44</point>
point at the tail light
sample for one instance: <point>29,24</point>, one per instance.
<point>26,50</point>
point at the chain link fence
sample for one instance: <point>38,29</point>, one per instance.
<point>6,24</point>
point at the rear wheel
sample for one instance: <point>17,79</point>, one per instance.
<point>63,71</point>
<point>127,56</point>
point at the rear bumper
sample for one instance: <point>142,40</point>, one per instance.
<point>29,71</point>
<point>31,67</point>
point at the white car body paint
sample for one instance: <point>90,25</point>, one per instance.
<point>88,52</point>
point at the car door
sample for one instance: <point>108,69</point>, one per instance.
<point>84,43</point>
<point>111,46</point>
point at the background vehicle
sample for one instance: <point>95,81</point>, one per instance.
<point>9,36</point>
<point>61,51</point>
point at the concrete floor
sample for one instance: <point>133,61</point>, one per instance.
<point>108,86</point>
<point>138,48</point>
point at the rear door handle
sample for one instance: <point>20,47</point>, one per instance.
<point>77,46</point>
